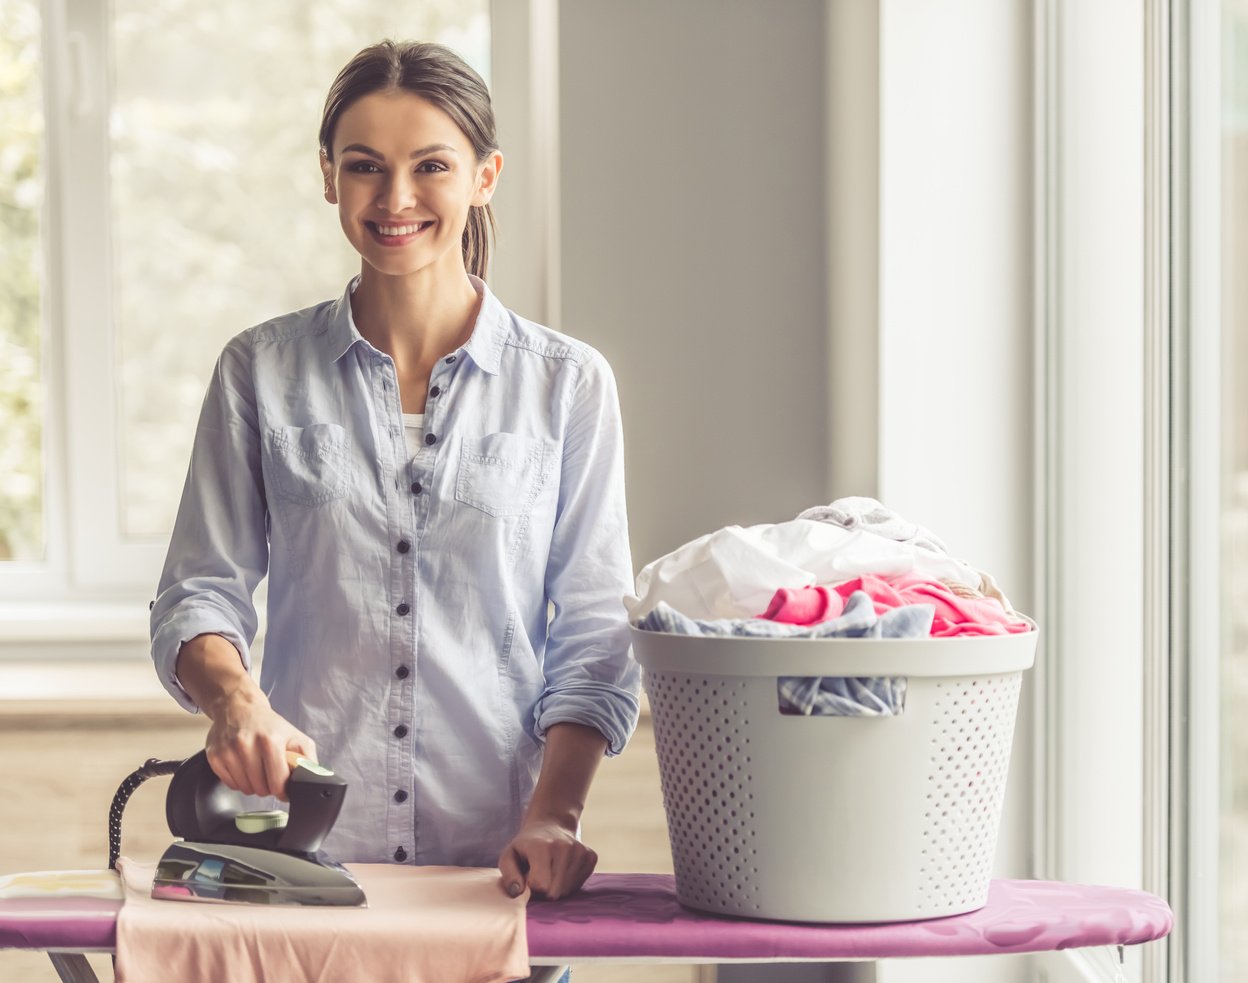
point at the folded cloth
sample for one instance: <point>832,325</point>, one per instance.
<point>832,696</point>
<point>422,924</point>
<point>51,884</point>
<point>857,512</point>
<point>733,572</point>
<point>957,610</point>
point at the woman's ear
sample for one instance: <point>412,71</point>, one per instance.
<point>327,172</point>
<point>487,178</point>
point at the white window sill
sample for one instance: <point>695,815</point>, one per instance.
<point>43,686</point>
<point>50,622</point>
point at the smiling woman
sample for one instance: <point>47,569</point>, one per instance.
<point>444,622</point>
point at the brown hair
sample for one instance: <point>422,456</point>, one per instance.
<point>436,73</point>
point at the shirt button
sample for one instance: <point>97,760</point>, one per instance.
<point>402,609</point>
<point>416,487</point>
<point>403,546</point>
<point>450,359</point>
<point>400,854</point>
<point>401,730</point>
<point>402,672</point>
<point>400,796</point>
<point>430,439</point>
<point>435,392</point>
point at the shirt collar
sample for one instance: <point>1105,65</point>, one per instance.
<point>484,345</point>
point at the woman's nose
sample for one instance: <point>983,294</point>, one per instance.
<point>399,193</point>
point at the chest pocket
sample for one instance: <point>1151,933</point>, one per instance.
<point>310,463</point>
<point>500,473</point>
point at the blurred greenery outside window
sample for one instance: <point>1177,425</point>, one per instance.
<point>21,265</point>
<point>217,220</point>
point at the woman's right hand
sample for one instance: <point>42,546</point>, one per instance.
<point>248,742</point>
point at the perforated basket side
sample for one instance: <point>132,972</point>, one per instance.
<point>971,730</point>
<point>701,731</point>
<point>919,843</point>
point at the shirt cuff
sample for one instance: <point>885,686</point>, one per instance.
<point>175,632</point>
<point>609,710</point>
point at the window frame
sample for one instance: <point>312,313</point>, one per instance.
<point>1092,701</point>
<point>1176,418</point>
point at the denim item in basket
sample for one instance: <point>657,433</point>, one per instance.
<point>819,696</point>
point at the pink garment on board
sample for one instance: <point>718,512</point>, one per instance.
<point>956,614</point>
<point>422,925</point>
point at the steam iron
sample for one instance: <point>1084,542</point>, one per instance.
<point>228,855</point>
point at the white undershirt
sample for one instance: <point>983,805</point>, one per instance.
<point>413,432</point>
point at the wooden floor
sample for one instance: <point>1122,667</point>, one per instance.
<point>61,766</point>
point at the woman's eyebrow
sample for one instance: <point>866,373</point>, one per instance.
<point>378,155</point>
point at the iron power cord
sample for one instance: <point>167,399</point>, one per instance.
<point>151,768</point>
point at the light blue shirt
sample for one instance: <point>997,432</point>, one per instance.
<point>409,632</point>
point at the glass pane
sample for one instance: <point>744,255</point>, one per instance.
<point>218,217</point>
<point>21,276</point>
<point>1233,850</point>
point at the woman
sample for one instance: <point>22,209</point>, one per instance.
<point>435,488</point>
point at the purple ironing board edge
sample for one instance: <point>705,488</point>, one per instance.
<point>638,916</point>
<point>74,924</point>
<point>630,916</point>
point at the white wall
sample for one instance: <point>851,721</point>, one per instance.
<point>693,250</point>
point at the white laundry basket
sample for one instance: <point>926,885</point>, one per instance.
<point>833,819</point>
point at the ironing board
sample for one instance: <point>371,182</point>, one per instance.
<point>636,918</point>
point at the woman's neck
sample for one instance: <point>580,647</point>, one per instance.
<point>415,319</point>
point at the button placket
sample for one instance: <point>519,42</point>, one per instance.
<point>402,529</point>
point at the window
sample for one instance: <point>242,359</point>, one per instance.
<point>1216,766</point>
<point>172,200</point>
<point>21,281</point>
<point>1147,668</point>
<point>1233,568</point>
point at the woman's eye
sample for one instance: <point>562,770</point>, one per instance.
<point>364,167</point>
<point>431,167</point>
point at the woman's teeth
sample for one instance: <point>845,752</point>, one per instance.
<point>400,230</point>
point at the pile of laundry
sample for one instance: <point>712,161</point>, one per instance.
<point>852,569</point>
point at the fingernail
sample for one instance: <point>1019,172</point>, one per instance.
<point>514,889</point>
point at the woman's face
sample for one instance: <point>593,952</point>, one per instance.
<point>403,176</point>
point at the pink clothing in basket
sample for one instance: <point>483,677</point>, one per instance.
<point>957,613</point>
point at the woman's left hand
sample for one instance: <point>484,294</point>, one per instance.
<point>547,858</point>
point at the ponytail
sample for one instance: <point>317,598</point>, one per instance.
<point>478,232</point>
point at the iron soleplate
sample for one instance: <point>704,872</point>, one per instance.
<point>221,873</point>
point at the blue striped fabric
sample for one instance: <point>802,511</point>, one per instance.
<point>819,696</point>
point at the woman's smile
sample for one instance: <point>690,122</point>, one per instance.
<point>394,234</point>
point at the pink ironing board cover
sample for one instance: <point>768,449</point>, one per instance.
<point>631,916</point>
<point>637,916</point>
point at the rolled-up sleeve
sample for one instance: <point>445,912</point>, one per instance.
<point>591,676</point>
<point>218,552</point>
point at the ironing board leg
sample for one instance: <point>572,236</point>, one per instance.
<point>72,967</point>
<point>545,974</point>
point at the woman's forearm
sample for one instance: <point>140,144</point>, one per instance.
<point>571,759</point>
<point>212,673</point>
